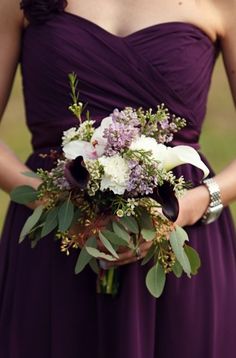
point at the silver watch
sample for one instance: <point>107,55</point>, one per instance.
<point>215,207</point>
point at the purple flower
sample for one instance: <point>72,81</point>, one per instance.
<point>76,173</point>
<point>119,136</point>
<point>126,116</point>
<point>140,182</point>
<point>164,124</point>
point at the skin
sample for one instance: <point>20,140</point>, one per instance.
<point>215,17</point>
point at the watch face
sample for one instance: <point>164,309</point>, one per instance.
<point>212,214</point>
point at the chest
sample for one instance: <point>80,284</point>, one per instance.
<point>127,16</point>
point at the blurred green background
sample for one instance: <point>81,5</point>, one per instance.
<point>218,140</point>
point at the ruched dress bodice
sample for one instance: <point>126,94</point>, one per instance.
<point>167,63</point>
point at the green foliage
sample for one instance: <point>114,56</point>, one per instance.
<point>65,215</point>
<point>130,224</point>
<point>148,231</point>
<point>194,259</point>
<point>114,238</point>
<point>31,175</point>
<point>120,231</point>
<point>108,245</point>
<point>177,240</point>
<point>155,280</point>
<point>31,222</point>
<point>99,254</point>
<point>94,265</point>
<point>177,269</point>
<point>23,194</point>
<point>84,258</point>
<point>51,222</point>
<point>149,255</point>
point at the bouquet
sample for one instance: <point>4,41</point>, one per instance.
<point>113,185</point>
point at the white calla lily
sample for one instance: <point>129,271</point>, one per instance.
<point>181,154</point>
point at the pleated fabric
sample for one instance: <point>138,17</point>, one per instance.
<point>46,311</point>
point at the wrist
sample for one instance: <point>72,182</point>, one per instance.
<point>193,205</point>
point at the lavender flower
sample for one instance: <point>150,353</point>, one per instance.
<point>142,180</point>
<point>127,116</point>
<point>119,136</point>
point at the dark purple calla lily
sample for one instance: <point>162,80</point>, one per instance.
<point>165,196</point>
<point>76,174</point>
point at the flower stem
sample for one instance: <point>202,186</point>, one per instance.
<point>110,277</point>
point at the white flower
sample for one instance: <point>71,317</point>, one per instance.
<point>78,148</point>
<point>116,174</point>
<point>97,139</point>
<point>146,144</point>
<point>94,149</point>
<point>169,157</point>
<point>69,135</point>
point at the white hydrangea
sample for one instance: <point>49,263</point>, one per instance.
<point>149,144</point>
<point>116,174</point>
<point>70,135</point>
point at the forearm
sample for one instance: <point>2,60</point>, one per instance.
<point>195,201</point>
<point>227,183</point>
<point>11,171</point>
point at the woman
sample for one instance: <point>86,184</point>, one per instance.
<point>130,53</point>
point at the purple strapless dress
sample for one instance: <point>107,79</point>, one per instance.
<point>46,311</point>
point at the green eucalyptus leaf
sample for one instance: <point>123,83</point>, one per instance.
<point>148,231</point>
<point>77,215</point>
<point>31,174</point>
<point>50,222</point>
<point>31,222</point>
<point>84,257</point>
<point>182,235</point>
<point>194,259</point>
<point>177,269</point>
<point>149,255</point>
<point>107,245</point>
<point>113,238</point>
<point>99,254</point>
<point>120,231</point>
<point>148,234</point>
<point>155,280</point>
<point>33,243</point>
<point>35,235</point>
<point>23,194</point>
<point>65,215</point>
<point>146,220</point>
<point>94,265</point>
<point>177,240</point>
<point>130,223</point>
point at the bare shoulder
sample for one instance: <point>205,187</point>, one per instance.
<point>10,14</point>
<point>226,11</point>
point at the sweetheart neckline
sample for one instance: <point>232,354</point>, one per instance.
<point>147,28</point>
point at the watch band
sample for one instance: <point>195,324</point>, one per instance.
<point>215,207</point>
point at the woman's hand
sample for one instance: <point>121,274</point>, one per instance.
<point>126,256</point>
<point>192,207</point>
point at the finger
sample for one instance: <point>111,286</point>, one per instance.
<point>128,257</point>
<point>143,248</point>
